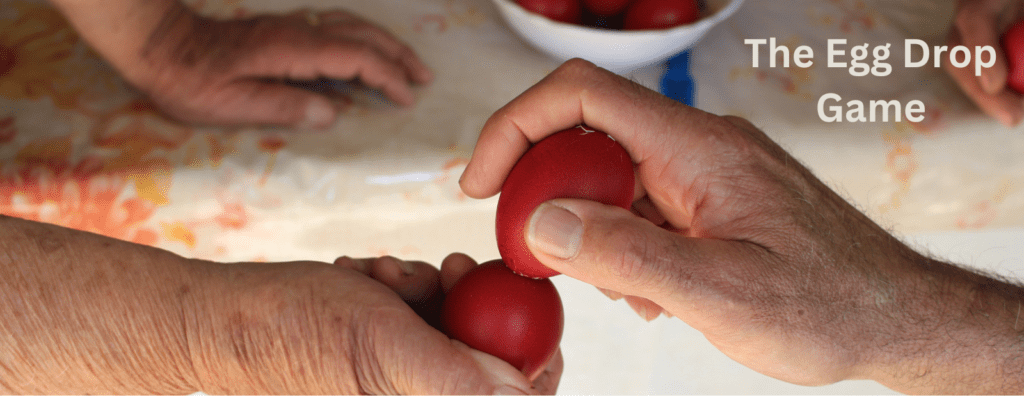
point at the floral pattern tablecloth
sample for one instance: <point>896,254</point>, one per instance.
<point>81,149</point>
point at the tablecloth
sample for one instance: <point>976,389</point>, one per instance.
<point>81,149</point>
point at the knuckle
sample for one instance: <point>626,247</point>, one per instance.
<point>741,123</point>
<point>574,68</point>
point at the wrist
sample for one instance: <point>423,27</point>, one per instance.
<point>130,34</point>
<point>951,331</point>
<point>105,315</point>
<point>270,329</point>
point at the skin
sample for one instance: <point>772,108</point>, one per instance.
<point>732,235</point>
<point>86,314</point>
<point>233,72</point>
<point>981,23</point>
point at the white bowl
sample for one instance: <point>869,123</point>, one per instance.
<point>618,51</point>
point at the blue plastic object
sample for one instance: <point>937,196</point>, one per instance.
<point>677,83</point>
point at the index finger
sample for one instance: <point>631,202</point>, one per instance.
<point>1003,105</point>
<point>976,26</point>
<point>577,92</point>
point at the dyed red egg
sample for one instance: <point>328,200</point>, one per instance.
<point>576,163</point>
<point>509,316</point>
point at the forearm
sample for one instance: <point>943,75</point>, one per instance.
<point>124,31</point>
<point>958,333</point>
<point>82,313</point>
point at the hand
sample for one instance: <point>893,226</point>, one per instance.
<point>231,72</point>
<point>423,287</point>
<point>732,235</point>
<point>343,329</point>
<point>86,314</point>
<point>981,23</point>
<point>235,72</point>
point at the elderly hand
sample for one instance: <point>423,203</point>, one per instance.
<point>732,235</point>
<point>86,314</point>
<point>423,287</point>
<point>981,23</point>
<point>354,327</point>
<point>235,72</point>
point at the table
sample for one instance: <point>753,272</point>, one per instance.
<point>81,149</point>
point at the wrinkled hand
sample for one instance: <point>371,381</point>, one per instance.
<point>319,328</point>
<point>732,235</point>
<point>87,314</point>
<point>422,287</point>
<point>981,23</point>
<point>232,72</point>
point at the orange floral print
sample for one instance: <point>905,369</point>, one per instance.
<point>233,217</point>
<point>79,196</point>
<point>113,190</point>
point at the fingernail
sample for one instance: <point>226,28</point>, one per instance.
<point>362,264</point>
<point>319,114</point>
<point>509,381</point>
<point>407,268</point>
<point>612,294</point>
<point>1008,118</point>
<point>508,390</point>
<point>555,231</point>
<point>642,311</point>
<point>1015,117</point>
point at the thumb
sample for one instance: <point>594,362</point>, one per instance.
<point>611,248</point>
<point>399,354</point>
<point>975,27</point>
<point>443,367</point>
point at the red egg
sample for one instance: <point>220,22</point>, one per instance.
<point>1013,46</point>
<point>514,318</point>
<point>660,14</point>
<point>576,163</point>
<point>568,11</point>
<point>606,8</point>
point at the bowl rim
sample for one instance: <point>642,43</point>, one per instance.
<point>704,23</point>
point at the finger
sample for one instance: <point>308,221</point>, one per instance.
<point>366,62</point>
<point>510,380</point>
<point>1004,106</point>
<point>388,44</point>
<point>362,265</point>
<point>453,267</point>
<point>611,294</point>
<point>742,124</point>
<point>645,209</point>
<point>646,309</point>
<point>577,92</point>
<point>412,280</point>
<point>337,17</point>
<point>264,103</point>
<point>422,361</point>
<point>547,381</point>
<point>283,56</point>
<point>613,249</point>
<point>976,26</point>
<point>416,282</point>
